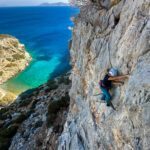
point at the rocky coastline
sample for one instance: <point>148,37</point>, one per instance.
<point>13,60</point>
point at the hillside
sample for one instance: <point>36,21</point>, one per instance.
<point>36,119</point>
<point>13,59</point>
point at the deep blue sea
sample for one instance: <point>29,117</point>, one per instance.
<point>44,31</point>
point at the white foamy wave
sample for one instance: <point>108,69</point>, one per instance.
<point>70,28</point>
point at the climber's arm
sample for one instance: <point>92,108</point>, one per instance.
<point>118,78</point>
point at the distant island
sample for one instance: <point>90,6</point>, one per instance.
<point>55,4</point>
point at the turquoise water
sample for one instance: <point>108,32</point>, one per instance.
<point>44,31</point>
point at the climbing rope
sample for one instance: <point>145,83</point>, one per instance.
<point>110,64</point>
<point>109,55</point>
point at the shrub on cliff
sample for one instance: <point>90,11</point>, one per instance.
<point>64,80</point>
<point>5,136</point>
<point>52,84</point>
<point>20,118</point>
<point>54,107</point>
<point>1,73</point>
<point>18,56</point>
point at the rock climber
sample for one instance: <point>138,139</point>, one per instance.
<point>110,78</point>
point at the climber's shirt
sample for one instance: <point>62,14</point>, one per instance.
<point>105,83</point>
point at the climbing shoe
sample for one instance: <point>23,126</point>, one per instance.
<point>108,104</point>
<point>111,105</point>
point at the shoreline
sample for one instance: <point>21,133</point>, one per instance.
<point>26,65</point>
<point>14,60</point>
<point>8,94</point>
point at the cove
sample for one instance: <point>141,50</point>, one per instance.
<point>44,31</point>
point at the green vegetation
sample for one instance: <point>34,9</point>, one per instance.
<point>38,124</point>
<point>18,56</point>
<point>3,110</point>
<point>5,136</point>
<point>11,65</point>
<point>9,59</point>
<point>26,97</point>
<point>64,80</point>
<point>39,142</point>
<point>9,130</point>
<point>52,84</point>
<point>20,119</point>
<point>27,94</point>
<point>1,73</point>
<point>24,102</point>
<point>4,143</point>
<point>54,107</point>
<point>5,115</point>
<point>34,104</point>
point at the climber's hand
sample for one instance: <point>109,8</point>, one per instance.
<point>121,82</point>
<point>127,75</point>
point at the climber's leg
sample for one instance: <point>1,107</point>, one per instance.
<point>107,95</point>
<point>103,97</point>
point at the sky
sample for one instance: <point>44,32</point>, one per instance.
<point>27,2</point>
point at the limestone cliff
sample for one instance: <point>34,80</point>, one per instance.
<point>110,33</point>
<point>13,59</point>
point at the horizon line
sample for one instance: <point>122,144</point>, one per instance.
<point>33,6</point>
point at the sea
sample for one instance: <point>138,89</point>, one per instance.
<point>44,31</point>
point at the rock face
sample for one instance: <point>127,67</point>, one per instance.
<point>12,53</point>
<point>110,33</point>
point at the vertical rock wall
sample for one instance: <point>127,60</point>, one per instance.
<point>110,33</point>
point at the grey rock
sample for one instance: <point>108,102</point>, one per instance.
<point>114,33</point>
